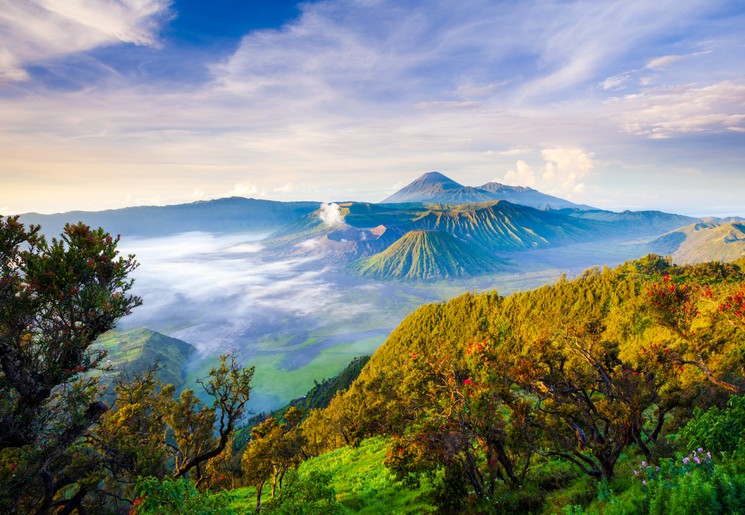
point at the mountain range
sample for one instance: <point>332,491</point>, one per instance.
<point>404,241</point>
<point>234,214</point>
<point>436,187</point>
<point>433,228</point>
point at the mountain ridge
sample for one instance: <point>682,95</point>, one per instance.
<point>437,187</point>
<point>427,255</point>
<point>231,214</point>
<point>703,241</point>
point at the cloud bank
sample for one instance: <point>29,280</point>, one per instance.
<point>565,169</point>
<point>219,292</point>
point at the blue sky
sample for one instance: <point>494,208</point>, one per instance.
<point>621,105</point>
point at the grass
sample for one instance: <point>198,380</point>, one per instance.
<point>361,481</point>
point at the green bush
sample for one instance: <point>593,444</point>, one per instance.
<point>719,430</point>
<point>309,494</point>
<point>693,484</point>
<point>176,497</point>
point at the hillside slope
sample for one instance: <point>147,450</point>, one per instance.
<point>635,222</point>
<point>427,255</point>
<point>501,225</point>
<point>697,243</point>
<point>133,351</point>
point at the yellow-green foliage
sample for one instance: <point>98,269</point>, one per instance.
<point>615,301</point>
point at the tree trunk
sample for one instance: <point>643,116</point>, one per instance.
<point>259,488</point>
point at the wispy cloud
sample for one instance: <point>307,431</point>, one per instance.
<point>665,60</point>
<point>667,112</point>
<point>44,29</point>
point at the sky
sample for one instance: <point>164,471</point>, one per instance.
<point>620,105</point>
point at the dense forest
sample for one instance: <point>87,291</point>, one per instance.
<point>619,391</point>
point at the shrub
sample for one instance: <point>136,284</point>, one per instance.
<point>177,497</point>
<point>305,495</point>
<point>693,484</point>
<point>719,430</point>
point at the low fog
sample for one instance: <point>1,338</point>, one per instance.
<point>297,319</point>
<point>220,291</point>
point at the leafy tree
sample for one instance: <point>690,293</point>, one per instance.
<point>719,430</point>
<point>152,433</point>
<point>693,342</point>
<point>309,494</point>
<point>56,298</point>
<point>591,403</point>
<point>273,450</point>
<point>464,417</point>
<point>176,497</point>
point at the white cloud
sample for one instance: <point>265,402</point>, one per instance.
<point>670,111</point>
<point>661,62</point>
<point>564,171</point>
<point>516,151</point>
<point>36,30</point>
<point>247,189</point>
<point>331,214</point>
<point>615,81</point>
<point>521,175</point>
<point>288,187</point>
<point>566,166</point>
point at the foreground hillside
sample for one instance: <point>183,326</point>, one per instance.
<point>550,398</point>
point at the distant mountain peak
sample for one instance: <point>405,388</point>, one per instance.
<point>434,187</point>
<point>431,178</point>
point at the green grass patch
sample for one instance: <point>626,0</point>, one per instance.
<point>361,481</point>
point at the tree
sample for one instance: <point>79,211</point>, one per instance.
<point>463,417</point>
<point>152,433</point>
<point>676,306</point>
<point>273,450</point>
<point>56,298</point>
<point>592,403</point>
